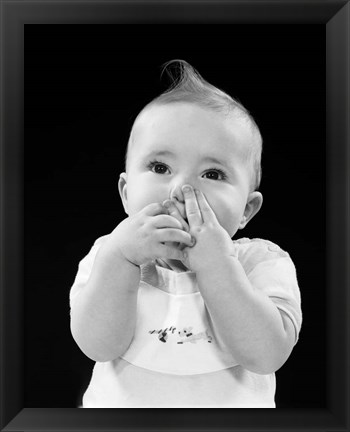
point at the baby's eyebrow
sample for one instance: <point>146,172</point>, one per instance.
<point>216,161</point>
<point>159,153</point>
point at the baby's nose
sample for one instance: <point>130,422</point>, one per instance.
<point>177,194</point>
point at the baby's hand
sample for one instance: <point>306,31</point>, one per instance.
<point>149,234</point>
<point>174,211</point>
<point>212,242</point>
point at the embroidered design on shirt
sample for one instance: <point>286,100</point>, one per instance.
<point>183,336</point>
<point>188,336</point>
<point>163,334</point>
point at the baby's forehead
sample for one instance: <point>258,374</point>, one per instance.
<point>170,120</point>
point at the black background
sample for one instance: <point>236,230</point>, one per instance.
<point>83,87</point>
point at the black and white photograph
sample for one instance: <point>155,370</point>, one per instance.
<point>153,302</point>
<point>178,195</point>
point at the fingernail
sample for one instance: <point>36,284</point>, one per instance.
<point>167,203</point>
<point>186,188</point>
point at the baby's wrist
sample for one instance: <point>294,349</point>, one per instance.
<point>126,258</point>
<point>129,261</point>
<point>114,254</point>
<point>121,246</point>
<point>125,261</point>
<point>217,264</point>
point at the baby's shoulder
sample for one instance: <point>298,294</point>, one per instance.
<point>90,256</point>
<point>100,240</point>
<point>258,244</point>
<point>252,252</point>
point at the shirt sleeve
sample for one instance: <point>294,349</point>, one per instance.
<point>84,270</point>
<point>271,270</point>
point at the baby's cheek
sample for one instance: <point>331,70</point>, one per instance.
<point>139,199</point>
<point>230,222</point>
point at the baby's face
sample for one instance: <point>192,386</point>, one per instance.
<point>182,143</point>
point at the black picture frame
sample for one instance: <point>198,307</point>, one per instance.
<point>335,16</point>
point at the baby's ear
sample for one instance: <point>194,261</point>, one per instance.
<point>252,207</point>
<point>122,187</point>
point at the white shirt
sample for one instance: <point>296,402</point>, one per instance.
<point>176,359</point>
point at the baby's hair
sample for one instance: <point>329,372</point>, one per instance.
<point>187,85</point>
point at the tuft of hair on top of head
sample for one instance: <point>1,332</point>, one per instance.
<point>187,85</point>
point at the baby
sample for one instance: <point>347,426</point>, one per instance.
<point>174,312</point>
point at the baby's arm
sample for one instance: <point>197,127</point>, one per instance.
<point>259,336</point>
<point>104,314</point>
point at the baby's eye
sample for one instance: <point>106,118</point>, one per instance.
<point>158,167</point>
<point>215,175</point>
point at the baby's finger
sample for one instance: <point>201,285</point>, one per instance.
<point>174,235</point>
<point>154,209</point>
<point>193,212</point>
<point>174,211</point>
<point>166,221</point>
<point>207,212</point>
